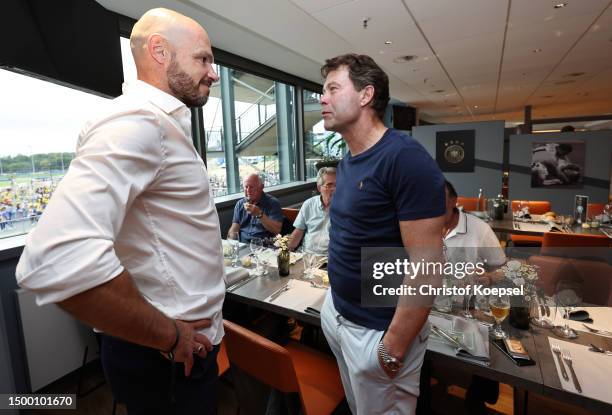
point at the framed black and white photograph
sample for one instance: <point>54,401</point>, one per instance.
<point>557,164</point>
<point>455,150</point>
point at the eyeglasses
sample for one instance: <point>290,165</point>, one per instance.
<point>329,185</point>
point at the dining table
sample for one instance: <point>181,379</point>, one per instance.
<point>509,225</point>
<point>540,378</point>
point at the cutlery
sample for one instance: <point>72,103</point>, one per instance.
<point>557,351</point>
<point>446,336</point>
<point>240,283</point>
<point>278,292</point>
<point>547,308</point>
<point>317,285</point>
<point>597,331</point>
<point>596,349</point>
<point>568,359</point>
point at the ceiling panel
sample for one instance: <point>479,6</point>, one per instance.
<point>312,6</point>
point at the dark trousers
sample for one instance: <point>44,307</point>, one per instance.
<point>141,378</point>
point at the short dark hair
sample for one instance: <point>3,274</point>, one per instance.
<point>451,189</point>
<point>568,129</point>
<point>363,71</point>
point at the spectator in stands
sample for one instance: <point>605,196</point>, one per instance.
<point>258,214</point>
<point>312,222</point>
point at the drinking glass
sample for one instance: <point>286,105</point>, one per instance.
<point>500,308</point>
<point>309,259</point>
<point>538,311</point>
<point>568,296</point>
<point>467,283</point>
<point>233,240</point>
<point>256,246</point>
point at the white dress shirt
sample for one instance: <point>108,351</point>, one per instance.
<point>136,197</point>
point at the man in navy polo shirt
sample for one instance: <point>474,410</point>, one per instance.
<point>258,215</point>
<point>389,193</point>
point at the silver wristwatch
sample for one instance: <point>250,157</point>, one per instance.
<point>390,362</point>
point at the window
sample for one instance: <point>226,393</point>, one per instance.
<point>320,144</point>
<point>249,124</point>
<point>40,125</point>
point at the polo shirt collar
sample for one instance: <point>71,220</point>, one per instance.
<point>461,227</point>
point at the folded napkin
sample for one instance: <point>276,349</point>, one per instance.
<point>476,351</point>
<point>233,275</point>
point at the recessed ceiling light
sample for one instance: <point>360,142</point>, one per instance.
<point>404,59</point>
<point>388,42</point>
<point>574,74</point>
<point>560,5</point>
<point>476,106</point>
<point>537,50</point>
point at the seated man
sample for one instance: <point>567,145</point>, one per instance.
<point>312,222</point>
<point>258,215</point>
<point>470,239</point>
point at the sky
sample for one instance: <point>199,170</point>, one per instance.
<point>42,117</point>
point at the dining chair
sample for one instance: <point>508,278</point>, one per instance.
<point>536,207</point>
<point>552,240</point>
<point>222,359</point>
<point>595,276</point>
<point>290,369</point>
<point>290,214</point>
<point>595,209</point>
<point>470,204</point>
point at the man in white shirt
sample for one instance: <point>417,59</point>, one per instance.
<point>312,222</point>
<point>130,242</point>
<point>470,239</point>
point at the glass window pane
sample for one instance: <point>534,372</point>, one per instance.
<point>261,134</point>
<point>39,124</point>
<point>320,144</point>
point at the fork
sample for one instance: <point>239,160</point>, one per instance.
<point>568,359</point>
<point>597,331</point>
<point>557,351</point>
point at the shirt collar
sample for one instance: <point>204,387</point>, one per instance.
<point>156,96</point>
<point>461,227</point>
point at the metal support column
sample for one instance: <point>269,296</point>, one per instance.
<point>229,130</point>
<point>285,129</point>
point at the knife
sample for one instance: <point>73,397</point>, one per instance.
<point>278,292</point>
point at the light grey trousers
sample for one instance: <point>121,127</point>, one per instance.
<point>368,389</point>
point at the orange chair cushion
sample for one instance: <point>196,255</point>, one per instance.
<point>318,377</point>
<point>526,240</point>
<point>556,240</point>
<point>595,209</point>
<point>596,276</point>
<point>222,359</point>
<point>470,204</point>
<point>260,358</point>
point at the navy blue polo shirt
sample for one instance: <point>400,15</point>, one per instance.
<point>394,180</point>
<point>251,227</point>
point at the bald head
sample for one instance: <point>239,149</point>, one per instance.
<point>253,187</point>
<point>173,53</point>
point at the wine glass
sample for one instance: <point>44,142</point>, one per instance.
<point>568,296</point>
<point>256,246</point>
<point>500,308</point>
<point>538,311</point>
<point>233,239</point>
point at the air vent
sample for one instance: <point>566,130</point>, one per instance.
<point>574,74</point>
<point>564,82</point>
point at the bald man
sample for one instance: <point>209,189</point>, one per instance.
<point>130,241</point>
<point>258,215</point>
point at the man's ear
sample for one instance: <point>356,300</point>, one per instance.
<point>367,95</point>
<point>157,47</point>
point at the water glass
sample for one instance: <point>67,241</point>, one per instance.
<point>233,240</point>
